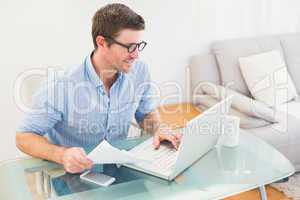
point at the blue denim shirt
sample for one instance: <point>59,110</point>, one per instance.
<point>75,110</point>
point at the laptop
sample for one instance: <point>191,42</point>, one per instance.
<point>199,136</point>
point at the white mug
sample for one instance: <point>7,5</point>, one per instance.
<point>231,131</point>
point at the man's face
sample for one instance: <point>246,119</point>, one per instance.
<point>118,56</point>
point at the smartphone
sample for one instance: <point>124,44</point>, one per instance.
<point>97,178</point>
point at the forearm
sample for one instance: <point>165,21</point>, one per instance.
<point>38,146</point>
<point>151,123</point>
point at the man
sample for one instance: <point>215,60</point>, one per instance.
<point>96,100</point>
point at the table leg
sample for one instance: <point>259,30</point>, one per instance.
<point>263,193</point>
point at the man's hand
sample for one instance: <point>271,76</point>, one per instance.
<point>173,138</point>
<point>75,160</point>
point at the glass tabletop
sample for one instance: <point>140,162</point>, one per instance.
<point>222,172</point>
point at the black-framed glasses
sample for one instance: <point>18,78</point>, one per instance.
<point>130,47</point>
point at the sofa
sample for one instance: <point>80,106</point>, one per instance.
<point>221,67</point>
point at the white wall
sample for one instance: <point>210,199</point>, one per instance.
<point>46,33</point>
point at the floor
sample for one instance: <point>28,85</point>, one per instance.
<point>272,194</point>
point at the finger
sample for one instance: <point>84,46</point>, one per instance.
<point>74,170</point>
<point>86,164</point>
<point>173,140</point>
<point>83,157</point>
<point>76,162</point>
<point>175,144</point>
<point>178,136</point>
<point>168,137</point>
<point>156,141</point>
<point>72,167</point>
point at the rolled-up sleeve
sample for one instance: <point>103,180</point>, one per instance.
<point>150,95</point>
<point>45,111</point>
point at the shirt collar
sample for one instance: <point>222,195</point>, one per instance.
<point>93,76</point>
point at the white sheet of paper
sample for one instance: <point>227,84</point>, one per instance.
<point>105,153</point>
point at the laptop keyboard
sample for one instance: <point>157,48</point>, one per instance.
<point>162,159</point>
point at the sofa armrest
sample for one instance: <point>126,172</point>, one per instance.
<point>203,68</point>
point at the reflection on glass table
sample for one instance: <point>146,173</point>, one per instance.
<point>55,182</point>
<point>222,172</point>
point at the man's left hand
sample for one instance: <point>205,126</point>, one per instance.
<point>173,138</point>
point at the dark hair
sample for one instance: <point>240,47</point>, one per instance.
<point>111,19</point>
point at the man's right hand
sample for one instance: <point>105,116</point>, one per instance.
<point>75,160</point>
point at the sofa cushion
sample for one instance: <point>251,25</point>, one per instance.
<point>291,48</point>
<point>292,108</point>
<point>227,53</point>
<point>284,136</point>
<point>206,101</point>
<point>267,78</point>
<point>240,102</point>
